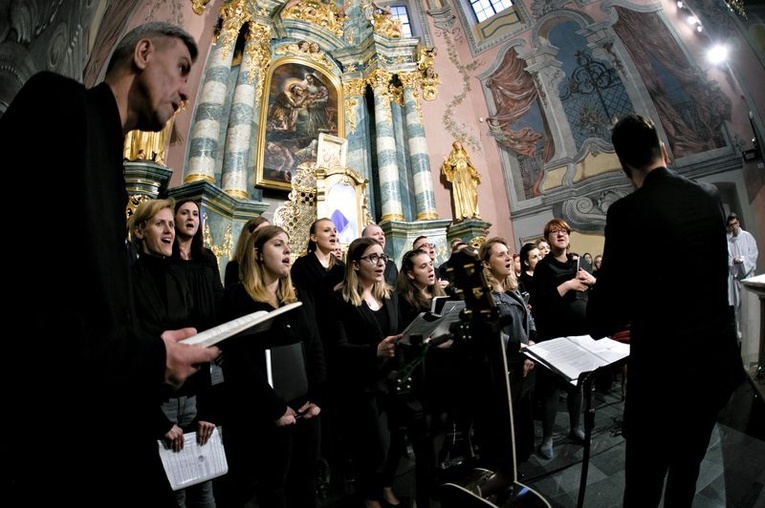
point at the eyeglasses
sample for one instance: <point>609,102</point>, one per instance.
<point>558,231</point>
<point>376,258</point>
<point>427,245</point>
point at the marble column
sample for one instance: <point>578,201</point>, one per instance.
<point>203,149</point>
<point>390,189</point>
<point>419,160</point>
<point>249,88</point>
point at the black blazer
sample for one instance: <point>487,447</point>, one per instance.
<point>319,283</point>
<point>682,329</point>
<point>248,394</point>
<point>356,334</point>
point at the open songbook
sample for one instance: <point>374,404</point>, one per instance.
<point>572,356</point>
<point>256,322</point>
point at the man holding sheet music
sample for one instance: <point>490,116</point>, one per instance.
<point>81,378</point>
<point>684,364</point>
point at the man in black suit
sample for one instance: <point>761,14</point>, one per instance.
<point>83,379</point>
<point>684,363</point>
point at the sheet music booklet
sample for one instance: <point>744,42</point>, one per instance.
<point>572,356</point>
<point>256,322</point>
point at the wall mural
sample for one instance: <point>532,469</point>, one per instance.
<point>593,94</point>
<point>519,125</point>
<point>692,108</point>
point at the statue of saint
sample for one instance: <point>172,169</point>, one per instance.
<point>464,177</point>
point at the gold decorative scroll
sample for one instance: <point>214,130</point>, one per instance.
<point>429,79</point>
<point>324,14</point>
<point>198,6</point>
<point>234,15</point>
<point>260,55</point>
<point>352,89</point>
<point>384,23</point>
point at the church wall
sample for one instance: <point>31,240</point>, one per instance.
<point>573,174</point>
<point>577,176</point>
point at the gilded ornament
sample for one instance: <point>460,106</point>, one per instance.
<point>234,15</point>
<point>322,13</point>
<point>223,250</point>
<point>353,87</point>
<point>384,23</point>
<point>396,94</point>
<point>305,48</point>
<point>198,6</point>
<point>351,103</point>
<point>143,145</point>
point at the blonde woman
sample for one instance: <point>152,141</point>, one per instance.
<point>518,331</point>
<point>163,300</point>
<point>272,443</point>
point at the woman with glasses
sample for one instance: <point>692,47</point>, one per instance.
<point>364,346</point>
<point>559,307</point>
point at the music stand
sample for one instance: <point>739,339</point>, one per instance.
<point>585,382</point>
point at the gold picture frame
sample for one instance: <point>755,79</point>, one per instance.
<point>301,102</point>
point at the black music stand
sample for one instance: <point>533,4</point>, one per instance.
<point>585,382</point>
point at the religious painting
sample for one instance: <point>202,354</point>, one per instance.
<point>301,102</point>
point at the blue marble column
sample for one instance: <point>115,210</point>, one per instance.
<point>390,189</point>
<point>203,148</point>
<point>249,88</point>
<point>419,161</point>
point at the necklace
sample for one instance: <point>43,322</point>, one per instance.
<point>372,303</point>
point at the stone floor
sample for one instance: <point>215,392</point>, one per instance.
<point>732,475</point>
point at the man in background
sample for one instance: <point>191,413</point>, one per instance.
<point>83,381</point>
<point>454,246</point>
<point>684,362</point>
<point>391,270</point>
<point>742,259</point>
